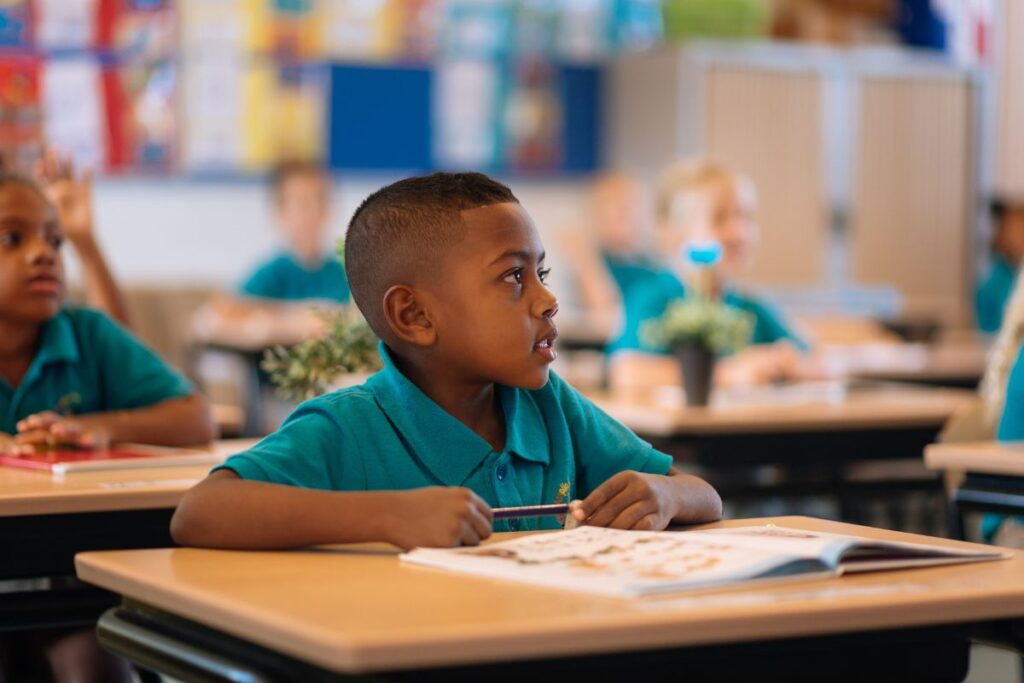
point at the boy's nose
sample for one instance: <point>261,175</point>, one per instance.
<point>549,307</point>
<point>42,252</point>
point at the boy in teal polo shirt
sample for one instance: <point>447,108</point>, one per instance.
<point>704,202</point>
<point>449,271</point>
<point>304,271</point>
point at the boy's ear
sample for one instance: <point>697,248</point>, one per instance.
<point>407,317</point>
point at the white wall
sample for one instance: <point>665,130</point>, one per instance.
<point>184,232</point>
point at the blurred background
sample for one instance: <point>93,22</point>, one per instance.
<point>875,131</point>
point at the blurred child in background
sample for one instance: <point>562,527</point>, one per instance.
<point>704,202</point>
<point>71,377</point>
<point>272,305</point>
<point>994,289</point>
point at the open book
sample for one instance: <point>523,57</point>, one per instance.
<point>633,563</point>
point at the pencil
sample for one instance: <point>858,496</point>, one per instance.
<point>531,511</point>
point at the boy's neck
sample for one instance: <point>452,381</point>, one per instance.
<point>473,404</point>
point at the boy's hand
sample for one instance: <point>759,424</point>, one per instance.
<point>48,431</point>
<point>71,194</point>
<point>438,517</point>
<point>629,500</point>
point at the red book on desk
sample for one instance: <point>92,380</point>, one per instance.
<point>64,462</point>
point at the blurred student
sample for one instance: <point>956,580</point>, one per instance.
<point>1007,251</point>
<point>1002,389</point>
<point>609,254</point>
<point>71,377</point>
<point>704,202</point>
<point>273,303</point>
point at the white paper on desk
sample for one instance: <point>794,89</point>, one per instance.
<point>73,109</point>
<point>635,563</point>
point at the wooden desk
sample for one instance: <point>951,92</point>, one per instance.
<point>356,610</point>
<point>813,447</point>
<point>955,363</point>
<point>990,478</point>
<point>45,520</point>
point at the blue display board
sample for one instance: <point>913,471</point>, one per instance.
<point>380,119</point>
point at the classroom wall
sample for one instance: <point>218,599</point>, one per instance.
<point>169,232</point>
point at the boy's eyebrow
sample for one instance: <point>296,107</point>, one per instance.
<point>520,254</point>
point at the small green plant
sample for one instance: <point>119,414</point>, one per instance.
<point>310,367</point>
<point>696,321</point>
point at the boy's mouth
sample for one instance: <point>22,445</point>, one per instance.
<point>45,283</point>
<point>545,345</point>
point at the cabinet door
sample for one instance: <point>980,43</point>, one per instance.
<point>768,124</point>
<point>913,192</point>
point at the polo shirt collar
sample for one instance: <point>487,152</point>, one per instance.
<point>448,448</point>
<point>57,345</point>
<point>58,342</point>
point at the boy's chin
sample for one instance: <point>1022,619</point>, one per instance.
<point>533,381</point>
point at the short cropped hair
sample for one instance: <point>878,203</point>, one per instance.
<point>404,229</point>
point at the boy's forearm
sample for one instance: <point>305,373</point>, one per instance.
<point>696,500</point>
<point>184,421</point>
<point>226,512</point>
<point>101,289</point>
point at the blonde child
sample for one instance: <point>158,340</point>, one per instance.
<point>704,202</point>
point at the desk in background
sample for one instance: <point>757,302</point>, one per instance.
<point>985,476</point>
<point>45,520</point>
<point>813,445</point>
<point>328,613</point>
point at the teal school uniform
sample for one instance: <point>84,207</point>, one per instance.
<point>649,299</point>
<point>283,277</point>
<point>386,434</point>
<point>1011,428</point>
<point>87,363</point>
<point>627,272</point>
<point>992,293</point>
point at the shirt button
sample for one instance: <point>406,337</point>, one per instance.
<point>513,524</point>
<point>501,472</point>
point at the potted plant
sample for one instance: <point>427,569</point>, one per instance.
<point>698,330</point>
<point>315,365</point>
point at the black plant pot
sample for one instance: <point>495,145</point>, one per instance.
<point>698,366</point>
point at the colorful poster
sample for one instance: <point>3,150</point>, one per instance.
<point>466,101</point>
<point>66,24</point>
<point>212,108</point>
<point>20,112</point>
<point>73,111</point>
<point>15,27</point>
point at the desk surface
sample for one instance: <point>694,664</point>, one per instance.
<point>877,407</point>
<point>982,457</point>
<point>31,492</point>
<point>962,360</point>
<point>352,609</point>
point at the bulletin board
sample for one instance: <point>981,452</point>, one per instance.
<point>230,87</point>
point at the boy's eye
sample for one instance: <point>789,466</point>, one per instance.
<point>56,241</point>
<point>10,239</point>
<point>514,277</point>
<point>543,275</point>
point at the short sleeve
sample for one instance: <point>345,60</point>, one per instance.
<point>771,327</point>
<point>642,302</point>
<point>298,454</point>
<point>261,283</point>
<point>991,296</point>
<point>603,446</point>
<point>132,376</point>
<point>1011,423</point>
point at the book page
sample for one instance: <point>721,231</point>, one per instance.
<point>610,561</point>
